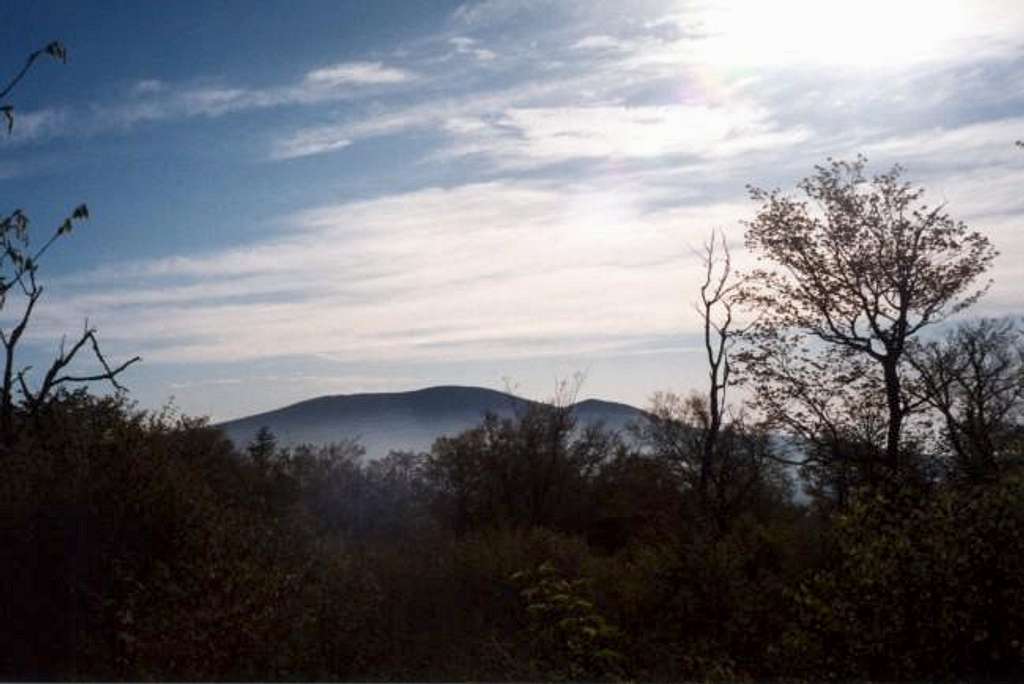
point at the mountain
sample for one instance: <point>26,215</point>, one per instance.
<point>382,422</point>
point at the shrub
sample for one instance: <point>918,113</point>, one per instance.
<point>919,587</point>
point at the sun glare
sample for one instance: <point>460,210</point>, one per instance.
<point>863,34</point>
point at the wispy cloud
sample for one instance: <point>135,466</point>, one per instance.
<point>152,100</point>
<point>601,42</point>
<point>149,86</point>
<point>34,125</point>
<point>427,113</point>
<point>494,11</point>
<point>590,81</point>
<point>469,46</point>
<point>307,143</point>
<point>344,81</point>
<point>356,73</point>
<point>476,271</point>
<point>502,269</point>
<point>538,136</point>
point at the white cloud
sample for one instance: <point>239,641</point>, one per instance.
<point>600,42</point>
<point>34,125</point>
<point>984,142</point>
<point>478,12</point>
<point>308,143</point>
<point>423,114</point>
<point>149,86</point>
<point>347,80</point>
<point>153,100</point>
<point>809,32</point>
<point>534,136</point>
<point>357,73</point>
<point>470,46</point>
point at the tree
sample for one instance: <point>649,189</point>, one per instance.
<point>716,293</point>
<point>263,446</point>
<point>974,380</point>
<point>533,470</point>
<point>716,453</point>
<point>856,270</point>
<point>19,265</point>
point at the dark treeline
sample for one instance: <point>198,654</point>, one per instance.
<point>859,514</point>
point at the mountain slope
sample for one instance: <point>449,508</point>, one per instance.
<point>403,420</point>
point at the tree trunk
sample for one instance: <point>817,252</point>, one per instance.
<point>894,402</point>
<point>710,441</point>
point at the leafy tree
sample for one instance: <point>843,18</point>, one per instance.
<point>856,271</point>
<point>570,638</point>
<point>131,548</point>
<point>743,473</point>
<point>532,470</point>
<point>974,380</point>
<point>917,586</point>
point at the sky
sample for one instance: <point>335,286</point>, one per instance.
<point>327,197</point>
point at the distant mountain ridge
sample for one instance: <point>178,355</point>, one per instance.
<point>412,420</point>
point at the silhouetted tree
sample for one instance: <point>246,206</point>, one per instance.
<point>742,474</point>
<point>857,269</point>
<point>528,471</point>
<point>715,310</point>
<point>19,265</point>
<point>719,458</point>
<point>263,446</point>
<point>974,379</point>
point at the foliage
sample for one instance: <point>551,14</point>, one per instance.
<point>974,380</point>
<point>921,585</point>
<point>531,471</point>
<point>130,546</point>
<point>742,473</point>
<point>856,271</point>
<point>569,637</point>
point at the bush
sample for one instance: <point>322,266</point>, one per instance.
<point>919,587</point>
<point>130,549</point>
<point>570,639</point>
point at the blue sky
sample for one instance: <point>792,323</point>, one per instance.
<point>293,199</point>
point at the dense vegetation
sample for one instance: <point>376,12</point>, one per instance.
<point>146,546</point>
<point>138,546</point>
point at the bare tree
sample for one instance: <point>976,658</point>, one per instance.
<point>715,310</point>
<point>19,266</point>
<point>718,455</point>
<point>857,270</point>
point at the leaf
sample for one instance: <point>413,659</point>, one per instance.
<point>20,223</point>
<point>57,50</point>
